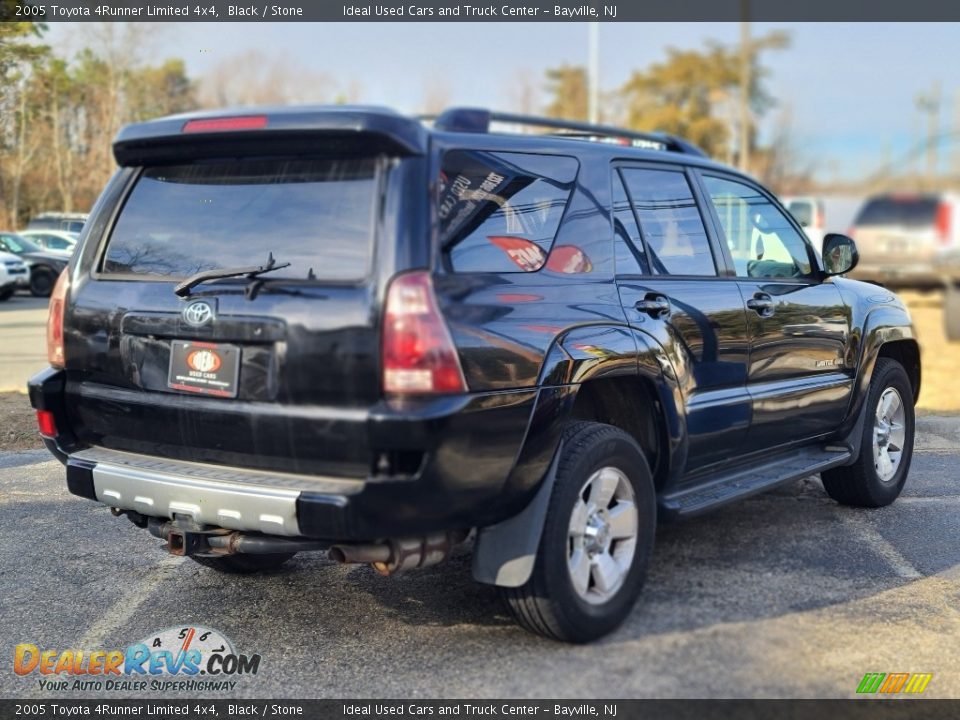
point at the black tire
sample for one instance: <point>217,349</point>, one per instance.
<point>6,294</point>
<point>859,484</point>
<point>548,604</point>
<point>243,564</point>
<point>951,312</point>
<point>42,280</point>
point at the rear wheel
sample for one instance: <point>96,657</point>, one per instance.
<point>877,475</point>
<point>597,539</point>
<point>6,294</point>
<point>243,564</point>
<point>42,280</point>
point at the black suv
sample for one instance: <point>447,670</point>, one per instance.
<point>347,329</point>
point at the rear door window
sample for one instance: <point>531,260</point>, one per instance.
<point>499,212</point>
<point>316,215</point>
<point>677,243</point>
<point>630,256</point>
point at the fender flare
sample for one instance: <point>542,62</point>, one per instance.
<point>505,553</point>
<point>882,325</point>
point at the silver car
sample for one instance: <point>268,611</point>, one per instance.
<point>903,238</point>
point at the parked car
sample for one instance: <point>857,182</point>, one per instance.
<point>55,241</point>
<point>69,222</point>
<point>377,335</point>
<point>810,212</point>
<point>949,268</point>
<point>13,274</point>
<point>44,266</point>
<point>902,236</point>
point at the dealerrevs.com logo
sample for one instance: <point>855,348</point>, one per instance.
<point>187,658</point>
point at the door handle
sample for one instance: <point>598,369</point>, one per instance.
<point>762,304</point>
<point>656,306</point>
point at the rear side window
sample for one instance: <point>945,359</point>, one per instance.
<point>677,242</point>
<point>499,212</point>
<point>316,215</point>
<point>919,211</point>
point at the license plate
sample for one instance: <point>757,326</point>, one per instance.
<point>205,368</point>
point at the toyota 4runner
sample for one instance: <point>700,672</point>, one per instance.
<point>351,330</point>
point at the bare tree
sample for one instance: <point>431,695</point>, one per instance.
<point>523,95</point>
<point>251,78</point>
<point>436,95</point>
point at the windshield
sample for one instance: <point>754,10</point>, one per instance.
<point>316,215</point>
<point>18,244</point>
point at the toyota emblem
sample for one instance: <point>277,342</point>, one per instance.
<point>197,314</point>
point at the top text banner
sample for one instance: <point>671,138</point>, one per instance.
<point>523,11</point>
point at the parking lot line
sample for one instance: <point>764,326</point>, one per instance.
<point>868,535</point>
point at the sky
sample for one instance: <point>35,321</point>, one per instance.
<point>850,88</point>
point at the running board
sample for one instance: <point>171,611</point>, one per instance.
<point>749,480</point>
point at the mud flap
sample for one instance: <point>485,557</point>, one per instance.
<point>505,553</point>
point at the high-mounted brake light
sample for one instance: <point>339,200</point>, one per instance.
<point>58,298</point>
<point>943,223</point>
<point>418,353</point>
<point>246,122</point>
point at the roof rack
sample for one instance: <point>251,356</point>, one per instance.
<point>477,120</point>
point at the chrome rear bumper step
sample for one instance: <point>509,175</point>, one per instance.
<point>234,498</point>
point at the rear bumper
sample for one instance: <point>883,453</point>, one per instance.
<point>480,459</point>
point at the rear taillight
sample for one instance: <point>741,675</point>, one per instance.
<point>55,320</point>
<point>418,353</point>
<point>46,424</point>
<point>943,223</point>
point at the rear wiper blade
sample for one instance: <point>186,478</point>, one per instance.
<point>184,288</point>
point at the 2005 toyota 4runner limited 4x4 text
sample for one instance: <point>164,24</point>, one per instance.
<point>351,330</point>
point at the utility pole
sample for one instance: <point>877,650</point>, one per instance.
<point>930,104</point>
<point>593,74</point>
<point>745,82</point>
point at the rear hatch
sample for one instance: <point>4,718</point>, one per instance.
<point>902,229</point>
<point>274,371</point>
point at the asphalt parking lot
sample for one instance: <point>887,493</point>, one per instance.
<point>22,340</point>
<point>786,594</point>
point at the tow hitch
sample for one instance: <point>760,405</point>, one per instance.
<point>186,537</point>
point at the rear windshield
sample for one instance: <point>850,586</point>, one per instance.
<point>316,215</point>
<point>908,212</point>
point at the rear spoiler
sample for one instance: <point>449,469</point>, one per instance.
<point>269,131</point>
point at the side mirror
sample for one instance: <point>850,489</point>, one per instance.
<point>839,254</point>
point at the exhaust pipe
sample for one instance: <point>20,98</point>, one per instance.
<point>398,555</point>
